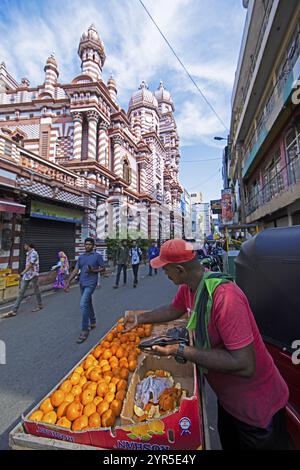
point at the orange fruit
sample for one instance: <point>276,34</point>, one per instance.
<point>116,371</point>
<point>97,352</point>
<point>121,320</point>
<point>103,362</point>
<point>110,337</point>
<point>137,340</point>
<point>108,419</point>
<point>61,410</point>
<point>66,386</point>
<point>120,327</point>
<point>79,370</point>
<point>132,365</point>
<point>92,386</point>
<point>36,416</point>
<point>76,390</point>
<point>87,396</point>
<point>49,417</point>
<point>106,368</point>
<point>102,389</point>
<point>115,380</point>
<point>120,353</point>
<point>116,407</point>
<point>95,421</point>
<point>73,411</point>
<point>123,363</point>
<point>57,398</point>
<point>89,409</point>
<point>97,400</point>
<point>107,378</point>
<point>80,423</point>
<point>75,378</point>
<point>82,381</point>
<point>64,423</point>
<point>88,362</point>
<point>132,357</point>
<point>121,394</point>
<point>113,348</point>
<point>109,397</point>
<point>124,373</point>
<point>107,354</point>
<point>95,375</point>
<point>122,384</point>
<point>112,388</point>
<point>105,344</point>
<point>102,407</point>
<point>88,371</point>
<point>46,406</point>
<point>69,398</point>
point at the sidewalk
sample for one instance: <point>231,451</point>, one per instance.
<point>49,287</point>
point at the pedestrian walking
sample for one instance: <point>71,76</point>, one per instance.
<point>90,264</point>
<point>30,276</point>
<point>135,254</point>
<point>62,268</point>
<point>229,350</point>
<point>122,258</point>
<point>152,253</point>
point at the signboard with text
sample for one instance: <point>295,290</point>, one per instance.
<point>227,206</point>
<point>53,212</point>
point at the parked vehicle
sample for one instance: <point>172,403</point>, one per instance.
<point>268,271</point>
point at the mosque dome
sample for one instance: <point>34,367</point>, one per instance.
<point>163,95</point>
<point>143,97</point>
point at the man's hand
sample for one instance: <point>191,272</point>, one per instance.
<point>130,322</point>
<point>162,350</point>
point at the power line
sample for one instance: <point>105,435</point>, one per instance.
<point>185,69</point>
<point>199,161</point>
<point>205,181</point>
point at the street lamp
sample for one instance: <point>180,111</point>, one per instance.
<point>220,138</point>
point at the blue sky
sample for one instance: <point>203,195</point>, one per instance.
<point>206,34</point>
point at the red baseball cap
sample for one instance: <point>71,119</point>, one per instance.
<point>173,251</point>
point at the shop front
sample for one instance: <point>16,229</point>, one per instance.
<point>51,228</point>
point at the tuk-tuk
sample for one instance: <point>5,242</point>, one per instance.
<point>268,271</point>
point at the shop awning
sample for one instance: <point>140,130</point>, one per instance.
<point>13,207</point>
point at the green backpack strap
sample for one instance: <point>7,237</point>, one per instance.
<point>203,306</point>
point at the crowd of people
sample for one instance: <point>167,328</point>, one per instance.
<point>89,267</point>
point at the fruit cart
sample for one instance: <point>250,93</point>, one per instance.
<point>182,428</point>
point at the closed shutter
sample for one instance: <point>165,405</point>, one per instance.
<point>49,237</point>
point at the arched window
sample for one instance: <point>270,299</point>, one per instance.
<point>126,171</point>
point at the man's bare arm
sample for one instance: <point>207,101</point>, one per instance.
<point>159,315</point>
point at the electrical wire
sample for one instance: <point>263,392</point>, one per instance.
<point>185,69</point>
<point>199,185</point>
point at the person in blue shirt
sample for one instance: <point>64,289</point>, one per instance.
<point>152,252</point>
<point>90,264</point>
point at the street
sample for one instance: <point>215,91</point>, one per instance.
<point>41,347</point>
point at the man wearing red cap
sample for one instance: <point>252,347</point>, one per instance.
<point>229,349</point>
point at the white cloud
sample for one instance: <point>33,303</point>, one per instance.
<point>135,50</point>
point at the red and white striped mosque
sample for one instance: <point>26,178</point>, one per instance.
<point>74,164</point>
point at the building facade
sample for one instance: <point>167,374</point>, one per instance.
<point>264,165</point>
<point>201,221</point>
<point>74,163</point>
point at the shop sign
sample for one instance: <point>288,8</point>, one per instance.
<point>49,211</point>
<point>227,206</point>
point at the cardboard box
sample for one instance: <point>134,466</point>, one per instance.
<point>12,280</point>
<point>11,292</point>
<point>181,429</point>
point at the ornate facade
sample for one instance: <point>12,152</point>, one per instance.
<point>125,162</point>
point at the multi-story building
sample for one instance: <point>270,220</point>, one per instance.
<point>196,198</point>
<point>201,221</point>
<point>264,169</point>
<point>73,163</point>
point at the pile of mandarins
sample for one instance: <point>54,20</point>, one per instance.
<point>93,395</point>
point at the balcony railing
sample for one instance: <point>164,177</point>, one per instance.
<point>288,176</point>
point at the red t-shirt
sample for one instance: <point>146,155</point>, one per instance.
<point>232,326</point>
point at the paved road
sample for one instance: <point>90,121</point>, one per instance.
<point>41,347</point>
